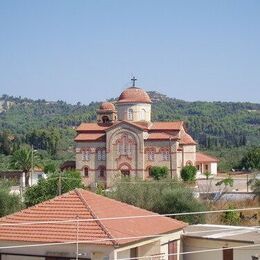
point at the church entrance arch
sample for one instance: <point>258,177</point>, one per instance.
<point>125,169</point>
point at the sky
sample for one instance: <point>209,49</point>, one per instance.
<point>88,50</point>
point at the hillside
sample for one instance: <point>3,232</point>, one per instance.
<point>50,125</point>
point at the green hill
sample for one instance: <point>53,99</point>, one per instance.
<point>49,126</point>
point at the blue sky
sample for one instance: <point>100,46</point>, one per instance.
<point>88,50</point>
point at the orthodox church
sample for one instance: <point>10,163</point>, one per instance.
<point>124,141</point>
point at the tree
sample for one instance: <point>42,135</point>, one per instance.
<point>158,172</point>
<point>231,217</point>
<point>48,188</point>
<point>255,187</point>
<point>23,159</point>
<point>9,203</point>
<point>251,160</point>
<point>50,167</point>
<point>161,196</point>
<point>188,173</point>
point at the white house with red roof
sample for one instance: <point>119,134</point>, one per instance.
<point>206,163</point>
<point>88,225</point>
<point>125,141</point>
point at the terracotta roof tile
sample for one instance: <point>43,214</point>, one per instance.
<point>186,138</point>
<point>90,127</point>
<point>85,205</point>
<point>90,137</point>
<point>202,158</point>
<point>176,125</point>
<point>134,95</point>
<point>161,136</point>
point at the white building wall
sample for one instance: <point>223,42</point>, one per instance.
<point>123,108</point>
<point>69,250</point>
<point>196,244</point>
<point>213,168</point>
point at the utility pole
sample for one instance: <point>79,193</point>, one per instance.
<point>32,165</point>
<point>59,183</point>
<point>170,154</point>
<point>77,238</point>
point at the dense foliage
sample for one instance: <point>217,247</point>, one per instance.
<point>164,197</point>
<point>9,203</point>
<point>49,188</point>
<point>223,128</point>
<point>188,173</point>
<point>158,172</point>
<point>251,160</point>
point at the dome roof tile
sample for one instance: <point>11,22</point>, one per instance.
<point>134,95</point>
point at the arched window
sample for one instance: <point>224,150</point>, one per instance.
<point>143,112</point>
<point>102,171</point>
<point>150,155</point>
<point>86,172</point>
<point>165,155</point>
<point>149,171</point>
<point>124,146</point>
<point>101,154</point>
<point>105,119</point>
<point>130,114</point>
<point>189,163</point>
<point>86,155</point>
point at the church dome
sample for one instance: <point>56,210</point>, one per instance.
<point>107,106</point>
<point>134,95</point>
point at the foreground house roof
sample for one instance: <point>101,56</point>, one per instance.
<point>81,204</point>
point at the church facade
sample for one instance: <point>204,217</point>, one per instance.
<point>124,141</point>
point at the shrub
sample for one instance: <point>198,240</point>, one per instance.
<point>9,203</point>
<point>159,196</point>
<point>231,217</point>
<point>48,188</point>
<point>188,173</point>
<point>158,172</point>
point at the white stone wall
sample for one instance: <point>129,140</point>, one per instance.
<point>123,108</point>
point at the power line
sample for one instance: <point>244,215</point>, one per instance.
<point>192,252</point>
<point>126,238</point>
<point>129,217</point>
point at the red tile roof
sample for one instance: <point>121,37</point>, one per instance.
<point>161,136</point>
<point>176,125</point>
<point>107,106</point>
<point>90,127</point>
<point>85,205</point>
<point>90,137</point>
<point>204,158</point>
<point>134,95</point>
<point>186,139</point>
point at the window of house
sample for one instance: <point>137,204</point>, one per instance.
<point>150,155</point>
<point>86,171</point>
<point>206,167</point>
<point>143,114</point>
<point>130,114</point>
<point>86,155</point>
<point>99,155</point>
<point>102,172</point>
<point>103,155</point>
<point>165,155</point>
<point>124,146</point>
<point>150,171</point>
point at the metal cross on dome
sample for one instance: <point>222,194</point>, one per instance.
<point>134,79</point>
